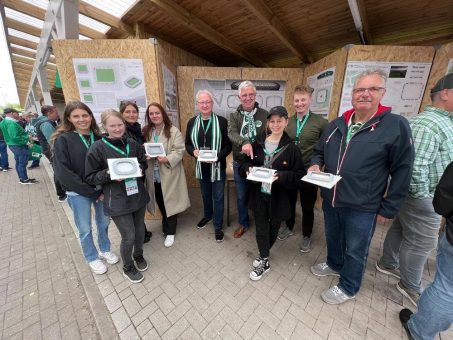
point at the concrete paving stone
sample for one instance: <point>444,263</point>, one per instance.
<point>21,325</point>
<point>151,335</point>
<point>175,331</point>
<point>296,299</point>
<point>66,315</point>
<point>32,332</point>
<point>120,319</point>
<point>250,327</point>
<point>179,311</point>
<point>281,307</point>
<point>144,313</point>
<point>129,333</point>
<point>144,327</point>
<point>152,295</point>
<point>48,317</point>
<point>231,301</point>
<point>213,328</point>
<point>160,322</point>
<point>106,287</point>
<point>125,284</point>
<point>198,302</point>
<point>213,310</point>
<point>214,294</point>
<point>287,325</point>
<point>303,332</point>
<point>12,316</point>
<point>342,330</point>
<point>231,318</point>
<point>164,303</point>
<point>124,294</point>
<point>196,320</point>
<point>17,336</point>
<point>268,333</point>
<point>302,315</point>
<point>112,302</point>
<point>131,305</point>
<point>138,290</point>
<point>371,335</point>
<point>229,333</point>
<point>71,331</point>
<point>267,317</point>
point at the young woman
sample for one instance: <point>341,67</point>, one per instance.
<point>129,110</point>
<point>70,145</point>
<point>165,177</point>
<point>125,200</point>
<point>273,150</point>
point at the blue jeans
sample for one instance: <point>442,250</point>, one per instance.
<point>348,237</point>
<point>435,307</point>
<point>21,158</point>
<point>242,187</point>
<point>81,208</point>
<point>213,198</point>
<point>3,155</point>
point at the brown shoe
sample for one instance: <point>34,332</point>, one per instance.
<point>239,231</point>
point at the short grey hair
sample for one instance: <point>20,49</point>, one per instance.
<point>245,84</point>
<point>372,72</point>
<point>204,91</point>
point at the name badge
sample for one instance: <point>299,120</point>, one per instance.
<point>266,188</point>
<point>131,186</point>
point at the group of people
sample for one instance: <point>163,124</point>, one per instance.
<point>390,168</point>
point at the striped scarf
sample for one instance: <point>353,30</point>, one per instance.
<point>216,143</point>
<point>248,129</point>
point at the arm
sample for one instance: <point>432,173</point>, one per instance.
<point>19,135</point>
<point>443,197</point>
<point>234,126</point>
<point>47,129</point>
<point>176,149</point>
<point>401,159</point>
<point>96,173</point>
<point>290,179</point>
<point>189,146</point>
<point>226,143</point>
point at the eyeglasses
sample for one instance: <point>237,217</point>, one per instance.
<point>371,90</point>
<point>205,103</point>
<point>249,95</point>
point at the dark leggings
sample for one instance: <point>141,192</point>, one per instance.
<point>266,232</point>
<point>308,195</point>
<point>132,233</point>
<point>168,223</point>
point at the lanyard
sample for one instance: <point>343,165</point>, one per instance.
<point>205,131</point>
<point>155,135</point>
<point>269,155</point>
<point>300,125</point>
<point>85,141</point>
<point>117,149</point>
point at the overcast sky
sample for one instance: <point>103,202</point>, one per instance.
<point>8,91</point>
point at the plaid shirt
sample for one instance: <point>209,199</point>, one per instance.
<point>432,131</point>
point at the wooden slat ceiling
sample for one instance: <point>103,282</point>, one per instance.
<point>267,33</point>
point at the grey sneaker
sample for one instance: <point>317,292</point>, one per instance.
<point>322,269</point>
<point>335,296</point>
<point>284,233</point>
<point>305,246</point>
<point>389,271</point>
<point>411,294</point>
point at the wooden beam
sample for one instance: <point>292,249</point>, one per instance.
<point>365,25</point>
<point>29,54</point>
<point>23,42</point>
<point>22,60</point>
<point>421,34</point>
<point>23,27</point>
<point>265,15</point>
<point>186,18</point>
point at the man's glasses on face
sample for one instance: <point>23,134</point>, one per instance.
<point>249,95</point>
<point>371,90</point>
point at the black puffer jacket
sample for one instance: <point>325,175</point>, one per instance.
<point>116,201</point>
<point>443,200</point>
<point>134,131</point>
<point>290,170</point>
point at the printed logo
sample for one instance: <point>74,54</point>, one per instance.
<point>258,123</point>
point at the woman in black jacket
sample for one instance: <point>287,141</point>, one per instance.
<point>125,200</point>
<point>70,145</point>
<point>272,201</point>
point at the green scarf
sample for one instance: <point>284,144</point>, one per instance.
<point>216,143</point>
<point>249,122</point>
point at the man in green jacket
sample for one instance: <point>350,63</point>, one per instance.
<point>17,140</point>
<point>304,129</point>
<point>247,122</point>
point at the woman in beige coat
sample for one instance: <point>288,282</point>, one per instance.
<point>165,177</point>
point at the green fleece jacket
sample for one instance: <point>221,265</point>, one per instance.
<point>235,125</point>
<point>13,133</point>
<point>309,135</point>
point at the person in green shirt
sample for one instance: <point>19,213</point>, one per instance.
<point>304,128</point>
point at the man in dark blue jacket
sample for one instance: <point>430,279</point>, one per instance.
<point>372,150</point>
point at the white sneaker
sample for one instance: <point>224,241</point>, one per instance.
<point>98,267</point>
<point>110,257</point>
<point>169,240</point>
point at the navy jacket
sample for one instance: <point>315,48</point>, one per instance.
<point>375,166</point>
<point>443,200</point>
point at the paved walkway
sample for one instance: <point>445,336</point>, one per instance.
<point>197,289</point>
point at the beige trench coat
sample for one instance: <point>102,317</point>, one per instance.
<point>172,176</point>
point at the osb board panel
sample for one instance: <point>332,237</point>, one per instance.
<point>65,50</point>
<point>186,76</point>
<point>337,60</point>
<point>438,70</point>
<point>423,54</point>
<point>292,76</point>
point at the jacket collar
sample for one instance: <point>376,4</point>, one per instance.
<point>381,109</point>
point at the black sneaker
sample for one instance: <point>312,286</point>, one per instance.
<point>132,274</point>
<point>219,235</point>
<point>259,271</point>
<point>203,223</point>
<point>148,235</point>
<point>28,181</point>
<point>62,198</point>
<point>405,315</point>
<point>141,263</point>
<point>32,167</point>
<point>6,169</point>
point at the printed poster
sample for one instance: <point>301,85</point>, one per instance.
<point>322,84</point>
<point>171,99</point>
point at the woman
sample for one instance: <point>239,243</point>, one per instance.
<point>129,110</point>
<point>70,145</point>
<point>209,131</point>
<point>165,177</point>
<point>125,200</point>
<point>272,150</point>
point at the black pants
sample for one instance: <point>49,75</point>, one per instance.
<point>308,195</point>
<point>168,223</point>
<point>132,233</point>
<point>266,232</point>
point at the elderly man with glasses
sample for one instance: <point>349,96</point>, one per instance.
<point>244,125</point>
<point>372,150</point>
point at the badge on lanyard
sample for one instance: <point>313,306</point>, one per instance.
<point>266,188</point>
<point>131,186</point>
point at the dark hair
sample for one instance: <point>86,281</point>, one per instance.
<point>67,126</point>
<point>146,131</point>
<point>126,103</point>
<point>46,109</point>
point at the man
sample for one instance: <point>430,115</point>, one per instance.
<point>304,129</point>
<point>4,163</point>
<point>371,149</point>
<point>31,131</point>
<point>414,233</point>
<point>247,122</point>
<point>435,307</point>
<point>17,140</point>
<point>45,126</point>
